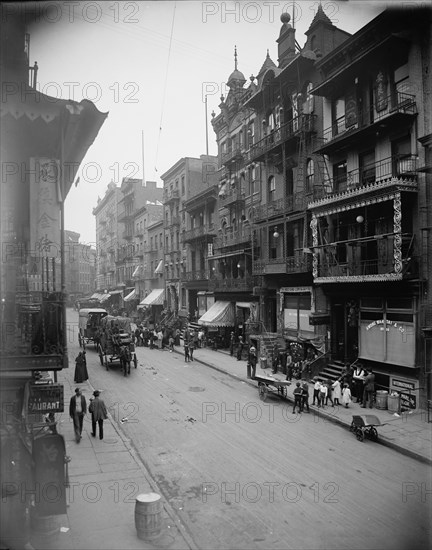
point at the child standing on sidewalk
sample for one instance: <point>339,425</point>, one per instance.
<point>346,395</point>
<point>337,392</point>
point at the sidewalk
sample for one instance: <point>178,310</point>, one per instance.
<point>408,433</point>
<point>105,478</point>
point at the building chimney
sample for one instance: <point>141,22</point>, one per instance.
<point>286,41</point>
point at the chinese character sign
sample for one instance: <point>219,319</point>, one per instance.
<point>45,206</point>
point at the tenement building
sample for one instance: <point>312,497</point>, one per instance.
<point>371,201</point>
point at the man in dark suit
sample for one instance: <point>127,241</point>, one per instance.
<point>77,410</point>
<point>369,388</point>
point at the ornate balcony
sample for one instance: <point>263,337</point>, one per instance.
<point>290,130</point>
<point>279,207</point>
<point>389,172</point>
<point>232,197</point>
<point>127,234</point>
<point>292,264</point>
<point>232,155</point>
<point>392,111</point>
<point>232,285</point>
<point>206,232</point>
<point>197,275</point>
<point>233,237</point>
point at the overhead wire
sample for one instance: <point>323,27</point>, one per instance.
<point>165,87</point>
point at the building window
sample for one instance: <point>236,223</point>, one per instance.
<point>271,185</point>
<point>340,175</point>
<point>182,185</point>
<point>251,133</point>
<point>310,175</point>
<point>308,105</point>
<point>338,116</point>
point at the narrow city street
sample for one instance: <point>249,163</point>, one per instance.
<point>241,473</point>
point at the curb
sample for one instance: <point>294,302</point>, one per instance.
<point>381,441</point>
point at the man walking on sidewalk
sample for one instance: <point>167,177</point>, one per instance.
<point>77,410</point>
<point>99,413</point>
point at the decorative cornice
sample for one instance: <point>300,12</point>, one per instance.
<point>384,277</point>
<point>400,184</point>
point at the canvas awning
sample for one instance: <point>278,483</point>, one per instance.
<point>113,292</point>
<point>243,304</point>
<point>136,271</point>
<point>221,314</point>
<point>104,297</point>
<point>130,296</point>
<point>155,298</point>
<point>159,268</point>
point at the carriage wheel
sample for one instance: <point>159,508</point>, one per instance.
<point>263,391</point>
<point>135,360</point>
<point>360,434</point>
<point>352,427</point>
<point>283,391</point>
<point>106,362</point>
<point>373,434</point>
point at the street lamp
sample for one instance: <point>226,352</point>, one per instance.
<point>276,232</point>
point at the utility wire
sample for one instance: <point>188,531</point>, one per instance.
<point>165,87</point>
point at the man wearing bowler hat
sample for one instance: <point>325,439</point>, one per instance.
<point>99,413</point>
<point>77,410</point>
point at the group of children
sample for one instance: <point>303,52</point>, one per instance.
<point>331,391</point>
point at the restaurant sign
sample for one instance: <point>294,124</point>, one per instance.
<point>45,398</point>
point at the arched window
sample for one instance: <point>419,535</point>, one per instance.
<point>310,175</point>
<point>271,189</point>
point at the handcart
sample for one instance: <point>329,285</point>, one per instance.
<point>116,343</point>
<point>267,384</point>
<point>364,426</point>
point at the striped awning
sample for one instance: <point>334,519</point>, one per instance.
<point>104,297</point>
<point>130,296</point>
<point>155,298</point>
<point>221,314</point>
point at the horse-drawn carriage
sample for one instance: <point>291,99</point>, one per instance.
<point>116,343</point>
<point>89,325</point>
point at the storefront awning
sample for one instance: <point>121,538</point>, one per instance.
<point>221,314</point>
<point>130,296</point>
<point>104,297</point>
<point>159,268</point>
<point>113,292</point>
<point>136,271</point>
<point>155,298</point>
<point>243,304</point>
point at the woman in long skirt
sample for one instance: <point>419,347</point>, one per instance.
<point>81,374</point>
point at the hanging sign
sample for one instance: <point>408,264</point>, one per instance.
<point>45,398</point>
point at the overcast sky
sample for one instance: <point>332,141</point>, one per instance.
<point>149,64</point>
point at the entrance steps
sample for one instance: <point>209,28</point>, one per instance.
<point>332,371</point>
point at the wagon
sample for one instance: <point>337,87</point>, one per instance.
<point>267,385</point>
<point>116,343</point>
<point>364,426</point>
<point>89,325</point>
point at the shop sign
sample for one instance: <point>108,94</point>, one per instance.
<point>45,398</point>
<point>317,319</point>
<point>384,324</point>
<point>406,390</point>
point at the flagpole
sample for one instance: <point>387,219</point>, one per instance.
<point>142,154</point>
<point>206,123</point>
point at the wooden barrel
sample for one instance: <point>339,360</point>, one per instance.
<point>148,515</point>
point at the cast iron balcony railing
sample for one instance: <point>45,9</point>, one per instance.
<point>232,197</point>
<point>279,207</point>
<point>301,263</point>
<point>394,104</point>
<point>232,284</point>
<point>291,129</point>
<point>233,237</point>
<point>233,154</point>
<point>127,234</point>
<point>201,232</point>
<point>197,275</point>
<point>401,167</point>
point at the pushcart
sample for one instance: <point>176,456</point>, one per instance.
<point>365,426</point>
<point>267,384</point>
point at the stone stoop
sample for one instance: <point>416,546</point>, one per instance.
<point>332,371</point>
